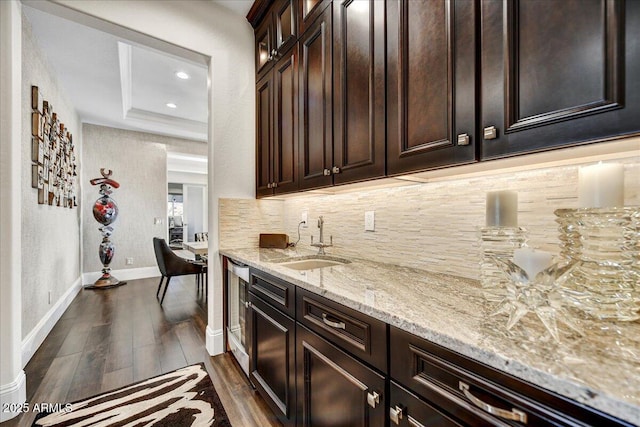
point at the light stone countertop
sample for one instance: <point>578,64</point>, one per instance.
<point>601,369</point>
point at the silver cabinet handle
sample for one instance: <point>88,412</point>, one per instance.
<point>337,325</point>
<point>269,185</point>
<point>326,172</point>
<point>248,304</point>
<point>395,414</point>
<point>373,399</point>
<point>514,414</point>
<point>335,169</point>
<point>490,132</point>
<point>274,185</point>
<point>464,139</point>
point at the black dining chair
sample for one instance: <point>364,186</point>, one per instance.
<point>171,265</point>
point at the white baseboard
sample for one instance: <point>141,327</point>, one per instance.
<point>12,396</point>
<point>34,339</point>
<point>215,341</point>
<point>125,274</point>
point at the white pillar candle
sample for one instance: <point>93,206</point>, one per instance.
<point>502,209</point>
<point>532,261</point>
<point>601,186</point>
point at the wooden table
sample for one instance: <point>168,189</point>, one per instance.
<point>198,248</point>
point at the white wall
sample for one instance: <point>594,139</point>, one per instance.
<point>12,378</point>
<point>50,234</point>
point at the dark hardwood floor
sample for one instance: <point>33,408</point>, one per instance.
<point>110,338</point>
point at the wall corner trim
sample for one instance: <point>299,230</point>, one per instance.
<point>215,341</point>
<point>34,339</point>
<point>13,395</point>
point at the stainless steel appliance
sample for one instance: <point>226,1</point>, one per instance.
<point>237,298</point>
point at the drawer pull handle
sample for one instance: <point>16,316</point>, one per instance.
<point>337,325</point>
<point>413,423</point>
<point>395,414</point>
<point>373,399</point>
<point>514,414</point>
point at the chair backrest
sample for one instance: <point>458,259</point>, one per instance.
<point>159,249</point>
<point>169,263</point>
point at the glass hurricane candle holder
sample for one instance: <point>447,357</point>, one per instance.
<point>602,248</point>
<point>497,243</point>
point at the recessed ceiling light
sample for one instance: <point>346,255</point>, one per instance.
<point>171,105</point>
<point>182,75</point>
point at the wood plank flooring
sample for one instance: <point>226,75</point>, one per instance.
<point>110,338</point>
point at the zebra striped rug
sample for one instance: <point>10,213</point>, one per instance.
<point>185,397</point>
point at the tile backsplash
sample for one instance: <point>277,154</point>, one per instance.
<point>430,226</point>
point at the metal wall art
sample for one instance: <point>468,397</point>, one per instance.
<point>53,156</point>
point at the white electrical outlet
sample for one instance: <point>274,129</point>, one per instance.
<point>305,218</point>
<point>157,221</point>
<point>129,261</point>
<point>369,221</point>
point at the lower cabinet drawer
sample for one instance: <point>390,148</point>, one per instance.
<point>355,332</point>
<point>334,389</point>
<point>477,394</point>
<point>406,409</point>
<point>272,365</point>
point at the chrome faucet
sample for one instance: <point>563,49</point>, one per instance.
<point>321,244</point>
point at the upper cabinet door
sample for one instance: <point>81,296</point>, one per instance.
<point>430,84</point>
<point>285,18</point>
<point>264,47</point>
<point>264,136</point>
<point>315,105</point>
<point>558,75</point>
<point>285,132</point>
<point>308,11</point>
<point>358,90</point>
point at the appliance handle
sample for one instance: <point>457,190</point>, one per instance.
<point>240,270</point>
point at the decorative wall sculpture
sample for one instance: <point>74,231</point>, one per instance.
<point>53,157</point>
<point>105,211</point>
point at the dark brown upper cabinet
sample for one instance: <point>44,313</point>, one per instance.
<point>553,76</point>
<point>277,33</point>
<point>277,128</point>
<point>431,84</point>
<point>308,12</point>
<point>358,90</point>
<point>315,104</point>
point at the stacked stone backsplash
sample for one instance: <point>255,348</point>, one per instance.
<point>430,226</point>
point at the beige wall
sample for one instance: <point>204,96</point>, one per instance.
<point>430,225</point>
<point>50,235</point>
<point>139,164</point>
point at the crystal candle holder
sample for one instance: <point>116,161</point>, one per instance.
<point>539,297</point>
<point>497,243</point>
<point>602,248</point>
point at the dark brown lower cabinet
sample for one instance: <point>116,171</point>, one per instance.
<point>272,358</point>
<point>334,389</point>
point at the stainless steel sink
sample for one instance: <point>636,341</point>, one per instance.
<point>311,263</point>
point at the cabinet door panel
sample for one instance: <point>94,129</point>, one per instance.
<point>559,75</point>
<point>308,12</point>
<point>264,135</point>
<point>316,136</point>
<point>430,83</point>
<point>334,388</point>
<point>285,15</point>
<point>285,154</point>
<point>264,45</point>
<point>273,357</point>
<point>358,43</point>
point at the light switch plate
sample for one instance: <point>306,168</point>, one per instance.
<point>369,221</point>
